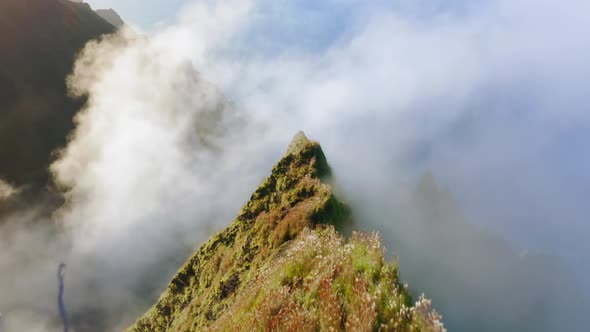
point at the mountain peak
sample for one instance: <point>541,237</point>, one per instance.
<point>281,265</point>
<point>111,16</point>
<point>297,143</point>
<point>301,145</point>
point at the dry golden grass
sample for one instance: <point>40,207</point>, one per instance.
<point>323,283</point>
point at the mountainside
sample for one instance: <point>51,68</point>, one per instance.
<point>39,40</point>
<point>281,265</point>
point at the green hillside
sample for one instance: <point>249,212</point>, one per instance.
<point>283,266</point>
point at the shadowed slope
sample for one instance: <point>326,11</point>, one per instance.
<point>281,265</point>
<point>39,40</point>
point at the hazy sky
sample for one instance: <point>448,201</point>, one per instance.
<point>501,116</point>
<point>149,13</point>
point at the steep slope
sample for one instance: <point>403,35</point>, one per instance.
<point>39,40</point>
<point>281,265</point>
<point>111,16</point>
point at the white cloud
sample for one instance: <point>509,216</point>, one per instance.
<point>6,190</point>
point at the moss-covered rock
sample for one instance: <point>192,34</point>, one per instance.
<point>281,265</point>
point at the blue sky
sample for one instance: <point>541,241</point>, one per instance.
<point>145,13</point>
<point>148,13</point>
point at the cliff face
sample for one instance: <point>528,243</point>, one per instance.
<point>281,265</point>
<point>39,40</point>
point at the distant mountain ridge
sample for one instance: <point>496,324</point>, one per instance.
<point>39,40</point>
<point>111,16</point>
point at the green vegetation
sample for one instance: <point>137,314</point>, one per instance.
<point>281,265</point>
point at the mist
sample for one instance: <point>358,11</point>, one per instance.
<point>455,129</point>
<point>6,190</point>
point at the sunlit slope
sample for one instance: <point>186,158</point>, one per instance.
<point>281,265</point>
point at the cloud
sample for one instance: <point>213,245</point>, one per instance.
<point>180,126</point>
<point>6,190</point>
<point>149,173</point>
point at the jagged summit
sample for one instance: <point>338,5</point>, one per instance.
<point>297,143</point>
<point>111,16</point>
<point>281,265</point>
